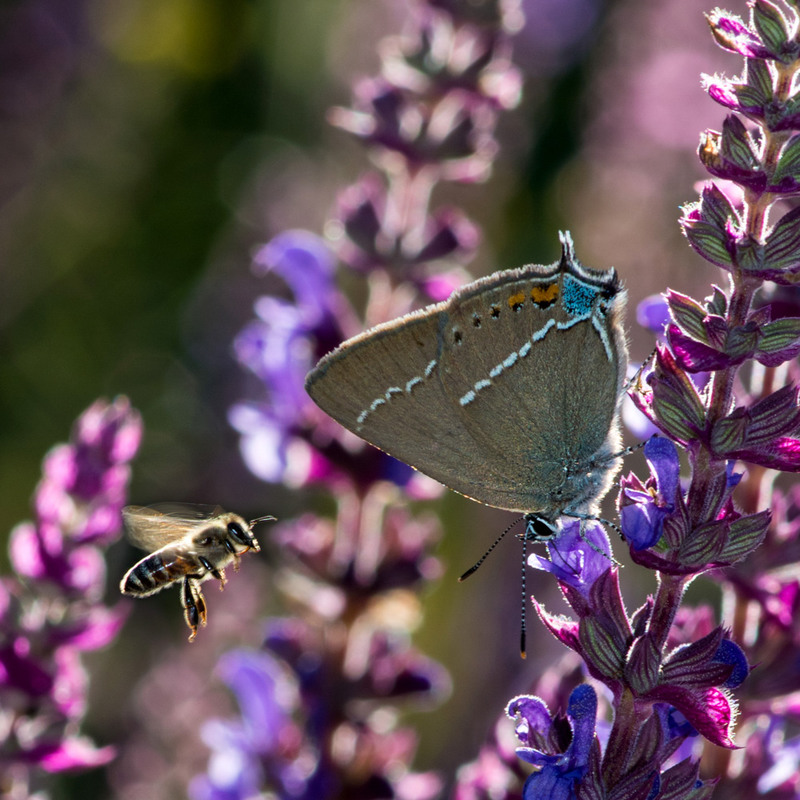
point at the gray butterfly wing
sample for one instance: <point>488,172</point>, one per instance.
<point>537,385</point>
<point>485,392</point>
<point>385,385</point>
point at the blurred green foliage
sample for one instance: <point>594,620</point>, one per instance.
<point>127,186</point>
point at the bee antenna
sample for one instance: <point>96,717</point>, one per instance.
<point>268,518</point>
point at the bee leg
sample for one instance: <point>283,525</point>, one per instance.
<point>209,567</point>
<point>194,606</point>
<point>236,556</point>
<point>219,574</point>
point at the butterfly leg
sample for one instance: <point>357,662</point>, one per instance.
<point>194,606</point>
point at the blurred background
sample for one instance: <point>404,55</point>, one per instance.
<point>147,147</point>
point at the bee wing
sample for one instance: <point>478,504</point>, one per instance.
<point>153,527</point>
<point>187,511</point>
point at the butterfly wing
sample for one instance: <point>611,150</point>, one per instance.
<point>494,392</point>
<point>537,385</point>
<point>386,387</point>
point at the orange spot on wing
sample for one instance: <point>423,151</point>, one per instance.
<point>516,300</point>
<point>544,294</point>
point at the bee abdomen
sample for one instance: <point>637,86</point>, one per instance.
<point>151,575</point>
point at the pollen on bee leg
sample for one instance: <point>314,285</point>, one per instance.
<point>222,579</point>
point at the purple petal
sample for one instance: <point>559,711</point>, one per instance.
<point>652,313</point>
<point>643,519</point>
<point>70,683</point>
<point>642,524</point>
<point>559,772</point>
<point>276,349</point>
<point>532,717</point>
<point>264,441</point>
<point>730,653</point>
<point>262,692</point>
<point>101,526</point>
<point>93,631</point>
<point>578,555</point>
<point>709,710</point>
<point>232,775</point>
<point>60,466</point>
<point>582,710</point>
<point>86,572</point>
<point>76,753</point>
<point>306,263</point>
<point>25,552</point>
<point>662,456</point>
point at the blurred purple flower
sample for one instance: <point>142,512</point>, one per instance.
<point>780,776</point>
<point>47,620</point>
<point>265,734</point>
<point>652,313</point>
<point>277,348</point>
<point>376,237</point>
<point>289,698</point>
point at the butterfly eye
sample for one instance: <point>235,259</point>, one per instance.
<point>539,529</point>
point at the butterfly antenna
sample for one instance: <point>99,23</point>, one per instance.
<point>483,558</point>
<point>628,450</point>
<point>637,376</point>
<point>522,626</point>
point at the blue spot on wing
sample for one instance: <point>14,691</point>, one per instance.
<point>578,297</point>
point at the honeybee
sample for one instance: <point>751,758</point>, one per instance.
<point>190,544</point>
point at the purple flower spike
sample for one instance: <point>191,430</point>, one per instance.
<point>541,734</point>
<point>373,238</point>
<point>77,505</point>
<point>671,676</point>
<point>645,507</point>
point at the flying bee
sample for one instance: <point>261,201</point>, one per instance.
<point>190,546</point>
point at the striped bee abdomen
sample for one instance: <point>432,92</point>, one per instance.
<point>154,573</point>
